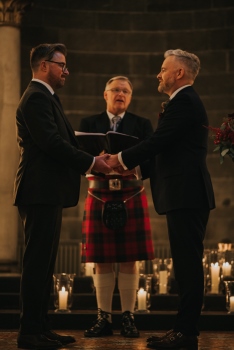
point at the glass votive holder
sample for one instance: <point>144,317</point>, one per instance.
<point>226,269</point>
<point>63,292</point>
<point>222,247</point>
<point>143,299</point>
<point>162,270</point>
<point>229,290</point>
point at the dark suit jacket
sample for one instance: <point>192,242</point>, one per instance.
<point>177,156</point>
<point>131,124</point>
<point>50,163</point>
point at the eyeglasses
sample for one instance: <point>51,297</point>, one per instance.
<point>61,64</point>
<point>118,91</point>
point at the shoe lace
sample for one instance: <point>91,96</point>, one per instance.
<point>102,318</point>
<point>128,321</point>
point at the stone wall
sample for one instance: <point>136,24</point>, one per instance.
<point>128,37</point>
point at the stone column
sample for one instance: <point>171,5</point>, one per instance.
<point>10,16</point>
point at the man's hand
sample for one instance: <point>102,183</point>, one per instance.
<point>100,165</point>
<point>113,161</point>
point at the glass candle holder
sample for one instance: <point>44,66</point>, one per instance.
<point>143,299</point>
<point>229,289</point>
<point>162,269</point>
<point>63,290</point>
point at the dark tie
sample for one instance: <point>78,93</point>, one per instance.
<point>116,121</point>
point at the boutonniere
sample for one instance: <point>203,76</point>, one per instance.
<point>224,138</point>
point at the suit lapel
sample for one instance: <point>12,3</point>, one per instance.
<point>128,124</point>
<point>59,106</point>
<point>102,123</point>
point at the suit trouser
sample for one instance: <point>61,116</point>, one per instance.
<point>42,225</point>
<point>186,229</point>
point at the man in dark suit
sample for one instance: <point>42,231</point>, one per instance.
<point>47,180</point>
<point>181,187</point>
<point>106,246</point>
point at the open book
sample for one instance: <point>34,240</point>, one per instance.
<point>112,142</point>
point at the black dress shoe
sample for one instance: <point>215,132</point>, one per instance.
<point>37,342</point>
<point>128,328</point>
<point>101,326</point>
<point>157,338</point>
<point>175,340</point>
<point>64,339</point>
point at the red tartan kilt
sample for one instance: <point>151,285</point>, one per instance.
<point>132,243</point>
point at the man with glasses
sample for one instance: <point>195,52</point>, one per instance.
<point>105,246</point>
<point>47,180</point>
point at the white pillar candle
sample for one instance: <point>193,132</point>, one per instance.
<point>89,269</point>
<point>231,304</point>
<point>226,269</point>
<point>141,299</point>
<point>215,269</point>
<point>163,282</point>
<point>63,295</point>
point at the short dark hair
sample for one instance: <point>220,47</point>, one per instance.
<point>45,52</point>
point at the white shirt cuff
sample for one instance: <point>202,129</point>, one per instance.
<point>91,166</point>
<point>121,161</point>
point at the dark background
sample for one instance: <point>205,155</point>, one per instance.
<point>105,38</point>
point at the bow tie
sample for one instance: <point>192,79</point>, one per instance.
<point>116,121</point>
<point>164,104</point>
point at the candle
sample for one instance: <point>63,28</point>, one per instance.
<point>141,299</point>
<point>63,299</point>
<point>215,278</point>
<point>89,269</point>
<point>231,304</point>
<point>226,269</point>
<point>163,282</point>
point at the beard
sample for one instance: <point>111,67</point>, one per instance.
<point>166,86</point>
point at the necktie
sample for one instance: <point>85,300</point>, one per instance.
<point>116,121</point>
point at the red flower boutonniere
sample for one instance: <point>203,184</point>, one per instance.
<point>224,137</point>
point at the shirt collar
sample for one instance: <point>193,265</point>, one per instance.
<point>45,84</point>
<point>176,92</point>
<point>110,115</point>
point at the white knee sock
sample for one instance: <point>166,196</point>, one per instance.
<point>128,285</point>
<point>104,284</point>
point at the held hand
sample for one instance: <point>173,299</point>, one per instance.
<point>113,161</point>
<point>100,165</point>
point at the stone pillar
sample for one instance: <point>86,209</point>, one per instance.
<point>10,16</point>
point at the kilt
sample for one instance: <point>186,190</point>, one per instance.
<point>103,245</point>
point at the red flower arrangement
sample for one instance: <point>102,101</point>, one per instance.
<point>224,138</point>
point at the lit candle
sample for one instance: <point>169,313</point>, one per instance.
<point>163,282</point>
<point>89,269</point>
<point>226,269</point>
<point>215,278</point>
<point>231,304</point>
<point>63,295</point>
<point>141,299</point>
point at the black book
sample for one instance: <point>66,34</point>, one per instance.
<point>112,142</point>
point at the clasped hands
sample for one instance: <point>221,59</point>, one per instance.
<point>108,163</point>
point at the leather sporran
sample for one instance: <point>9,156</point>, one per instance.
<point>114,215</point>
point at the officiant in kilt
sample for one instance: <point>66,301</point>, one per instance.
<point>107,240</point>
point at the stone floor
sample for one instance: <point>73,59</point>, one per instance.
<point>207,341</point>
